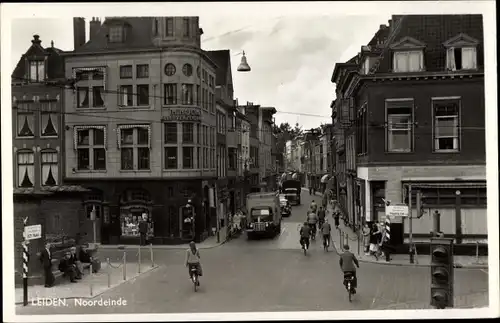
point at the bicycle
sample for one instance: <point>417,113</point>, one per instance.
<point>194,276</point>
<point>349,284</point>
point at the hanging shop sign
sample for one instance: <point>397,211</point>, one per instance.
<point>182,114</point>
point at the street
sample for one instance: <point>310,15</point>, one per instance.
<point>271,275</point>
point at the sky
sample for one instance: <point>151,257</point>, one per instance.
<point>292,58</point>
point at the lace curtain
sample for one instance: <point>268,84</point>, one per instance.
<point>26,169</point>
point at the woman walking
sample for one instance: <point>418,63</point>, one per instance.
<point>366,238</point>
<point>374,240</point>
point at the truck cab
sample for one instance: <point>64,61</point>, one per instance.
<point>263,215</point>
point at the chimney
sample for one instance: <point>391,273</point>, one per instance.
<point>79,36</point>
<point>95,25</point>
<point>36,40</point>
<point>390,25</point>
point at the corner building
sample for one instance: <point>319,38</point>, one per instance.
<point>140,126</point>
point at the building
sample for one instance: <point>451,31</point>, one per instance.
<point>38,150</point>
<point>141,126</point>
<point>251,111</point>
<point>266,173</point>
<point>411,109</point>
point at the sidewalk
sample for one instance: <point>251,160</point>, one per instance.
<point>397,259</point>
<point>209,243</point>
<point>97,282</point>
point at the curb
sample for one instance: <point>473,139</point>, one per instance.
<point>104,291</point>
<point>456,265</point>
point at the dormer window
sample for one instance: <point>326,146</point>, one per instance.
<point>408,55</point>
<point>169,27</point>
<point>116,34</point>
<point>461,53</point>
<point>37,71</point>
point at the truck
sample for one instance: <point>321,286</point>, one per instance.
<point>263,215</point>
<point>292,189</point>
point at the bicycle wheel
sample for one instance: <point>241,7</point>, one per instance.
<point>195,283</point>
<point>350,295</point>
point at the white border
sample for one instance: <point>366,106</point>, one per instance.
<point>51,10</point>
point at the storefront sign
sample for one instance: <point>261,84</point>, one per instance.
<point>396,210</point>
<point>182,114</point>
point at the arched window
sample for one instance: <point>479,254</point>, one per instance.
<point>49,167</point>
<point>25,169</point>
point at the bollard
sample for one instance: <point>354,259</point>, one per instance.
<point>151,250</point>
<point>91,290</point>
<point>139,260</point>
<point>477,252</point>
<point>109,272</point>
<point>124,265</point>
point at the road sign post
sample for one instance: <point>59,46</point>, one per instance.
<point>30,232</point>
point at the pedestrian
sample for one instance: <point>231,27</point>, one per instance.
<point>68,268</point>
<point>321,216</point>
<point>310,190</point>
<point>143,229</point>
<point>46,260</point>
<point>366,238</point>
<point>76,261</point>
<point>385,239</point>
<point>374,240</point>
<point>336,218</point>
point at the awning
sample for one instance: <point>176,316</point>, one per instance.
<point>325,178</point>
<point>452,185</point>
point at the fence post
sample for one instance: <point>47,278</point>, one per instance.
<point>124,265</point>
<point>139,260</point>
<point>151,251</point>
<point>109,272</point>
<point>91,287</point>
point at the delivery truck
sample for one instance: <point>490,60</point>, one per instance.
<point>263,215</point>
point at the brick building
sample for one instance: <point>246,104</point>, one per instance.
<point>37,124</point>
<point>410,111</point>
<point>141,126</point>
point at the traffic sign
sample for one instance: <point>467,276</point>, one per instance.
<point>396,210</point>
<point>33,232</point>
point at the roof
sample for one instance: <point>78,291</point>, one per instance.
<point>55,61</point>
<point>222,58</point>
<point>433,31</point>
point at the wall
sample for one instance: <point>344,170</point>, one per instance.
<point>147,115</point>
<point>472,140</point>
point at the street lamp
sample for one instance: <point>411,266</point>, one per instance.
<point>243,67</point>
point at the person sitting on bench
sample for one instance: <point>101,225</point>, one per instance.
<point>87,259</point>
<point>68,268</point>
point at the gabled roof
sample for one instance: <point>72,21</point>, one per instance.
<point>55,62</point>
<point>139,35</point>
<point>222,59</point>
<point>434,31</point>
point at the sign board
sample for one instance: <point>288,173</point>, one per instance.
<point>396,210</point>
<point>182,114</point>
<point>33,232</point>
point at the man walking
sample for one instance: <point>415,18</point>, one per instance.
<point>143,229</point>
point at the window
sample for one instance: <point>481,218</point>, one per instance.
<point>170,69</point>
<point>156,27</point>
<point>411,61</point>
<point>187,69</point>
<point>37,71</point>
<point>187,94</point>
<point>464,58</point>
<point>199,163</point>
<point>187,157</point>
<point>170,94</point>
<point>126,71</point>
<point>399,126</point>
<point>25,169</point>
<point>171,133</point>
<point>204,99</point>
<point>362,132</point>
<point>170,157</point>
<point>211,103</point>
<point>25,120</point>
<point>446,125</point>
<point>187,133</point>
<point>186,27</point>
<point>198,95</point>
<point>48,119</point>
<point>142,71</point>
<point>90,88</point>
<point>126,97</point>
<point>90,147</point>
<point>115,34</point>
<point>135,147</point>
<point>169,27</point>
<point>232,158</point>
<point>142,94</point>
<point>49,168</point>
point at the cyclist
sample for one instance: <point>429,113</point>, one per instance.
<point>326,230</point>
<point>312,219</point>
<point>314,207</point>
<point>305,233</point>
<point>193,259</point>
<point>347,262</point>
<point>321,216</point>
